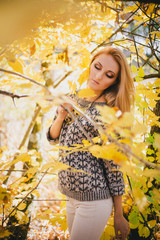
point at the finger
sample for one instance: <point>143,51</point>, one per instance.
<point>123,236</point>
<point>116,233</point>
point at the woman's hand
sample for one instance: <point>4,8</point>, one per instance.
<point>121,225</point>
<point>61,111</point>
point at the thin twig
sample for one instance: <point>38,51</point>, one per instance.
<point>25,138</point>
<point>136,51</point>
<point>19,170</point>
<point>61,80</point>
<point>147,60</point>
<point>148,16</point>
<point>25,77</point>
<point>152,48</point>
<point>152,76</point>
<point>75,119</point>
<point>118,30</point>
<point>25,197</point>
<point>40,200</point>
<point>12,95</point>
<point>123,147</point>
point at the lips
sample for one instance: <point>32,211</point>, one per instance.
<point>95,82</point>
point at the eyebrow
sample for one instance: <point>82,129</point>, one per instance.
<point>108,70</point>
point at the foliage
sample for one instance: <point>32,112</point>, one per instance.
<point>40,56</point>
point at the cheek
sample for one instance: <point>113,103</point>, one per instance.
<point>92,70</point>
<point>109,82</point>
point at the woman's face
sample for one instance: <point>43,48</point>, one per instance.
<point>103,73</point>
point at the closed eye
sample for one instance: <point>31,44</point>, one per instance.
<point>109,76</point>
<point>97,67</point>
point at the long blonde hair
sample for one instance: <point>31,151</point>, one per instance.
<point>121,93</point>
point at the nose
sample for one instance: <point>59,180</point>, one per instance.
<point>99,75</point>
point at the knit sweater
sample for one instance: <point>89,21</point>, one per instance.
<point>96,181</point>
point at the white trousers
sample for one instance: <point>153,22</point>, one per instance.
<point>87,219</point>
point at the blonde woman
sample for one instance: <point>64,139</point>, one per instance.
<point>92,196</point>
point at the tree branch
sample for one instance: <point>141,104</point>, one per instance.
<point>24,138</point>
<point>152,76</point>
<point>123,147</point>
<point>148,16</point>
<point>24,197</point>
<point>119,29</point>
<point>23,76</point>
<point>47,200</point>
<point>12,95</point>
<point>24,171</point>
<point>136,51</point>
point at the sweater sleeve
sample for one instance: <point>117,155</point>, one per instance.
<point>49,138</point>
<point>114,178</point>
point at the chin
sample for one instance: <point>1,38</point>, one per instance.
<point>92,86</point>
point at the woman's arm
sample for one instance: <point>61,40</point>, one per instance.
<point>120,223</point>
<point>56,126</point>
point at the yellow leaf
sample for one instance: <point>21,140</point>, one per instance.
<point>32,49</point>
<point>86,142</point>
<point>151,223</point>
<point>23,157</point>
<point>32,170</point>
<point>141,72</point>
<point>86,58</point>
<point>138,18</point>
<point>130,8</point>
<point>4,233</point>
<point>150,9</point>
<point>84,93</point>
<point>22,206</point>
<point>133,226</point>
<point>149,184</point>
<point>72,86</point>
<point>140,198</point>
<point>157,141</point>
<point>108,114</point>
<point>55,167</point>
<point>83,77</point>
<point>107,152</point>
<point>138,79</point>
<point>133,68</point>
<point>139,128</point>
<point>17,66</point>
<point>157,82</point>
<point>157,34</point>
<point>145,232</point>
<point>20,215</point>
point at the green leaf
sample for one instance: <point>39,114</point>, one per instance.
<point>134,218</point>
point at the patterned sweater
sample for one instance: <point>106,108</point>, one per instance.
<point>97,181</point>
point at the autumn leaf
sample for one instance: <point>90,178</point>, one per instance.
<point>83,76</point>
<point>72,86</point>
<point>22,206</point>
<point>134,69</point>
<point>85,93</point>
<point>141,72</point>
<point>32,49</point>
<point>17,66</point>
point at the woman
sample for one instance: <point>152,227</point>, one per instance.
<point>92,196</point>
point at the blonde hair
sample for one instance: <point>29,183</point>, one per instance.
<point>121,93</point>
